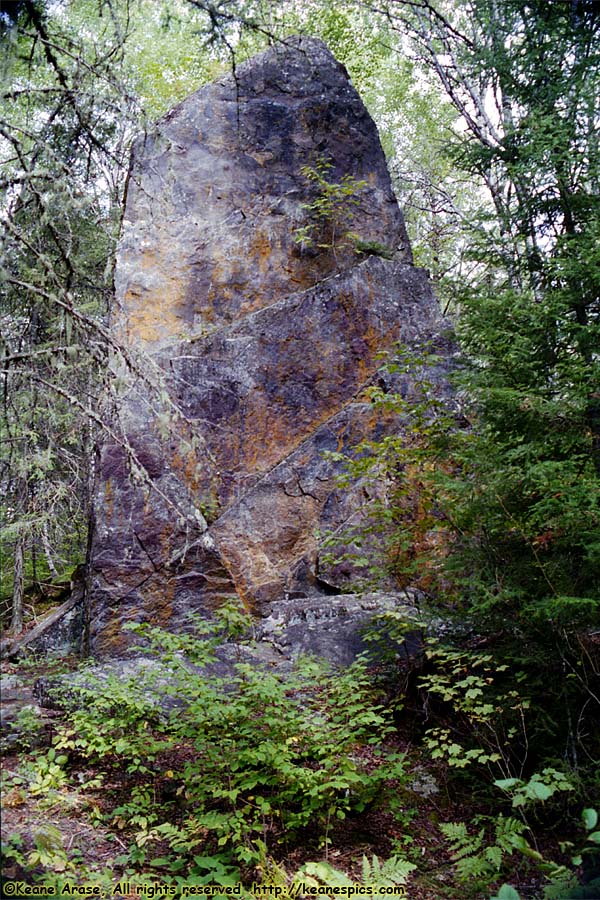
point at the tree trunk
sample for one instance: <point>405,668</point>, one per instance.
<point>48,550</point>
<point>19,582</point>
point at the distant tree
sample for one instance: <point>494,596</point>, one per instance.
<point>525,78</point>
<point>65,117</point>
<point>516,495</point>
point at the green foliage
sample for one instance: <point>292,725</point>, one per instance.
<point>491,511</point>
<point>374,872</point>
<point>12,849</point>
<point>62,153</point>
<point>117,720</point>
<point>373,248</point>
<point>475,857</point>
<point>488,725</point>
<point>47,773</point>
<point>49,849</point>
<point>490,555</point>
<point>481,857</point>
<point>266,755</point>
<point>497,516</point>
<point>392,871</point>
<point>165,54</point>
<point>524,492</point>
<point>541,786</point>
<point>589,819</point>
<point>25,731</point>
<point>401,533</point>
<point>562,883</point>
<point>507,892</point>
<point>528,485</point>
<point>330,213</point>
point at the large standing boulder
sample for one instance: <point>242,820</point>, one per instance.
<point>262,343</point>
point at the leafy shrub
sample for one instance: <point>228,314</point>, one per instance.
<point>562,882</point>
<point>232,763</point>
<point>47,773</point>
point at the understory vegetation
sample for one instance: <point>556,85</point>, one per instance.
<point>458,766</point>
<point>205,769</point>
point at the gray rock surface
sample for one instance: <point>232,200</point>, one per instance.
<point>329,628</point>
<point>265,348</point>
<point>332,628</point>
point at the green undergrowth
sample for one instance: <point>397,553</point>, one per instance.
<point>201,774</point>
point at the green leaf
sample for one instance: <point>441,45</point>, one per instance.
<point>507,892</point>
<point>519,843</point>
<point>590,818</point>
<point>538,791</point>
<point>327,874</point>
<point>506,784</point>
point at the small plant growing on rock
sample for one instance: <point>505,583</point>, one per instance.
<point>331,211</point>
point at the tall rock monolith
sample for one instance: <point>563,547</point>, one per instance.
<point>262,269</point>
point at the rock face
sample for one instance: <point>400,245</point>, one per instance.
<point>253,348</point>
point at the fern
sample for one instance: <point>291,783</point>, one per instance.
<point>471,857</point>
<point>507,830</point>
<point>383,874</point>
<point>393,871</point>
<point>493,856</point>
<point>461,842</point>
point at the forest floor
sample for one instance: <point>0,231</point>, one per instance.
<point>68,824</point>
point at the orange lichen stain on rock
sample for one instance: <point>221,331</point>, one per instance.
<point>233,562</point>
<point>251,303</point>
<point>347,306</point>
<point>259,557</point>
<point>264,436</point>
<point>155,318</point>
<point>191,470</point>
<point>187,465</point>
<point>341,437</point>
<point>153,314</point>
<point>168,542</point>
<point>147,509</point>
<point>113,639</point>
<point>227,288</point>
<point>256,572</point>
<point>368,364</point>
<point>262,250</point>
<point>158,604</point>
<point>260,157</point>
<point>270,432</point>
